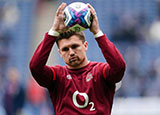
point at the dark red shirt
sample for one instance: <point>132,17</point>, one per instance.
<point>85,91</point>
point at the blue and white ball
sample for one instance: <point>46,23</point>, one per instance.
<point>77,16</point>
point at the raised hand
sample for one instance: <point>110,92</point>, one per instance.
<point>95,25</point>
<point>58,24</point>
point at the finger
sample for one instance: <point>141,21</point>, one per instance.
<point>61,8</point>
<point>92,10</point>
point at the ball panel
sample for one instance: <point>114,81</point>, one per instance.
<point>77,28</point>
<point>88,18</point>
<point>68,17</point>
<point>78,17</point>
<point>78,6</point>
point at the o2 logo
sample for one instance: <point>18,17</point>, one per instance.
<point>86,100</point>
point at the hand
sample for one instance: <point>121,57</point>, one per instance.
<point>95,25</point>
<point>58,24</point>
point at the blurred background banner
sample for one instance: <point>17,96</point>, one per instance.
<point>132,25</point>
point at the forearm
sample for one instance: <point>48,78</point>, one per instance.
<point>115,60</point>
<point>38,66</point>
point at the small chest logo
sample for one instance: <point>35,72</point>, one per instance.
<point>69,76</point>
<point>89,77</point>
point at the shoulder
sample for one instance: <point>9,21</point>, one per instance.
<point>98,65</point>
<point>58,69</point>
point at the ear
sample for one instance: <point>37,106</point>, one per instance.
<point>86,45</point>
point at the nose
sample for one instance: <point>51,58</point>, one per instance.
<point>71,52</point>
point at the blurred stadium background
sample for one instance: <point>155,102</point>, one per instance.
<point>133,26</point>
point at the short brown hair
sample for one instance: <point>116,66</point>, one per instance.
<point>68,34</point>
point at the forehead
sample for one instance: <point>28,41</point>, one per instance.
<point>70,41</point>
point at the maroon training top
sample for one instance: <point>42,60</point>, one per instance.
<point>85,91</point>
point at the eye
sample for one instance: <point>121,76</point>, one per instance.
<point>65,49</point>
<point>74,46</point>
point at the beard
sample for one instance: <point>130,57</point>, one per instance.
<point>75,61</point>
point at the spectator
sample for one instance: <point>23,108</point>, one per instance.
<point>14,96</point>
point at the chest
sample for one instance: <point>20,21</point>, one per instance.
<point>81,91</point>
<point>79,81</point>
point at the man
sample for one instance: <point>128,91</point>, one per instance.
<point>81,87</point>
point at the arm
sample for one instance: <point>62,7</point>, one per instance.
<point>114,69</point>
<point>42,73</point>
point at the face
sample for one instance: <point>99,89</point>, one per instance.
<point>73,51</point>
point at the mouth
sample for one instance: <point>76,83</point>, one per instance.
<point>73,59</point>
